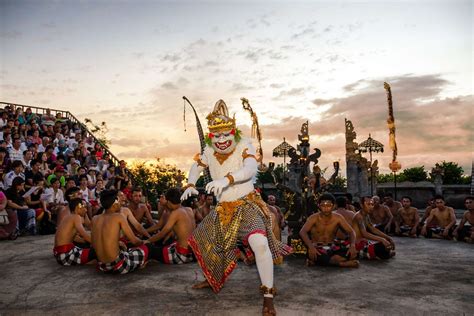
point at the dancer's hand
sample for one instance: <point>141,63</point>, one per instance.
<point>188,192</point>
<point>217,186</point>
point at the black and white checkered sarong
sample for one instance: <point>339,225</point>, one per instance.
<point>127,261</point>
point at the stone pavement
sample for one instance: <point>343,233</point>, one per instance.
<point>427,277</point>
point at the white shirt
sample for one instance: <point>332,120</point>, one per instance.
<point>7,183</point>
<point>54,197</point>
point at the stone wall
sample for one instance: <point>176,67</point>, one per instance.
<point>421,192</point>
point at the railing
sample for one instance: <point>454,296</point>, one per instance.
<point>68,115</point>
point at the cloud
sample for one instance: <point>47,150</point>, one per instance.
<point>169,86</point>
<point>306,31</point>
<point>433,127</point>
<point>128,142</point>
<point>13,34</point>
<point>292,92</point>
<point>171,58</point>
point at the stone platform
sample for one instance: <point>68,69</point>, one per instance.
<point>427,277</point>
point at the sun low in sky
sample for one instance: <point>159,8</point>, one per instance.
<point>129,63</point>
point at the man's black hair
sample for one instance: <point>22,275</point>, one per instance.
<point>74,203</point>
<point>327,197</point>
<point>341,202</point>
<point>173,195</point>
<point>107,198</point>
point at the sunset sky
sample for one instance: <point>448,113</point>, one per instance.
<point>129,63</point>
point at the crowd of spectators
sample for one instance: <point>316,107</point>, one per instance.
<point>42,156</point>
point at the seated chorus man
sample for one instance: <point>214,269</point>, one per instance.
<point>407,221</point>
<point>65,251</point>
<point>342,209</point>
<point>371,243</point>
<point>466,232</point>
<point>394,206</point>
<point>106,229</point>
<point>445,217</point>
<point>181,222</point>
<point>381,217</point>
<point>136,226</point>
<point>322,250</point>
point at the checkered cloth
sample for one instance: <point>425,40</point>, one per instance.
<point>372,250</point>
<point>214,241</point>
<point>70,255</point>
<point>329,250</point>
<point>174,254</point>
<point>127,261</point>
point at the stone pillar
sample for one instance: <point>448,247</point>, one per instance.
<point>437,175</point>
<point>352,178</point>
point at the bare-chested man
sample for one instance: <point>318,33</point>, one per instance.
<point>275,218</point>
<point>322,249</point>
<point>466,232</point>
<point>129,216</point>
<point>445,217</point>
<point>106,228</point>
<point>208,205</point>
<point>349,205</point>
<point>381,216</point>
<point>181,222</point>
<point>371,243</point>
<point>429,208</point>
<point>139,209</point>
<point>163,215</point>
<point>65,252</point>
<point>342,210</point>
<point>394,206</point>
<point>281,217</point>
<point>406,224</point>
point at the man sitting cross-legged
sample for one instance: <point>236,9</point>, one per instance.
<point>407,221</point>
<point>65,251</point>
<point>445,218</point>
<point>322,250</point>
<point>381,216</point>
<point>371,243</point>
<point>343,210</point>
<point>181,222</point>
<point>466,232</point>
<point>111,257</point>
<point>136,226</point>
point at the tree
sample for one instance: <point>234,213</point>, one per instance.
<point>156,177</point>
<point>414,174</point>
<point>340,183</point>
<point>389,177</point>
<point>452,172</point>
<point>99,131</point>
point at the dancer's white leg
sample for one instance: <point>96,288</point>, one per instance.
<point>263,258</point>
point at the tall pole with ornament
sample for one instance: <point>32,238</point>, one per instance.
<point>395,166</point>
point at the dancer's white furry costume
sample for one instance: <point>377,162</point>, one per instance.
<point>240,213</point>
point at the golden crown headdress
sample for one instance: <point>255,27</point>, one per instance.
<point>218,120</point>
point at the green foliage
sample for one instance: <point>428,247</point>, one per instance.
<point>414,174</point>
<point>340,183</point>
<point>264,177</point>
<point>99,131</point>
<point>466,180</point>
<point>384,178</point>
<point>155,178</point>
<point>453,173</point>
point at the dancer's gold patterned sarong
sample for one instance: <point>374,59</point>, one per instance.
<point>214,241</point>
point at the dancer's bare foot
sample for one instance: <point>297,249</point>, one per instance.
<point>201,285</point>
<point>349,264</point>
<point>268,308</point>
